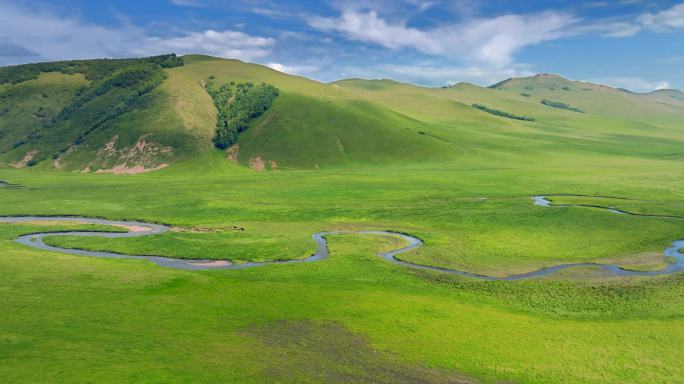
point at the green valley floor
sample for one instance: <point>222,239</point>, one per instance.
<point>353,317</point>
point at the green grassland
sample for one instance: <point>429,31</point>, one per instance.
<point>25,106</point>
<point>136,322</point>
<point>356,154</point>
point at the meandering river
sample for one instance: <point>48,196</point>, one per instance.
<point>137,229</point>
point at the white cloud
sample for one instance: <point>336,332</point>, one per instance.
<point>496,40</point>
<point>437,75</point>
<point>486,41</point>
<point>662,21</point>
<point>293,69</point>
<point>665,20</point>
<point>369,27</point>
<point>58,37</point>
<point>422,5</point>
<point>187,3</point>
<point>493,41</point>
<point>54,37</point>
<point>611,28</point>
<point>633,84</point>
<point>230,44</point>
<point>475,48</point>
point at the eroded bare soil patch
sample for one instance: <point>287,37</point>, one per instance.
<point>25,160</point>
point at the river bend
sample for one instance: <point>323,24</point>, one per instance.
<point>137,229</point>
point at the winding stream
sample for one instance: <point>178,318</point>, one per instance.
<point>137,229</point>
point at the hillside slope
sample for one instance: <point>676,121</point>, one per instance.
<point>588,97</point>
<point>606,121</point>
<point>671,97</point>
<point>59,117</point>
<point>311,124</point>
<point>93,115</point>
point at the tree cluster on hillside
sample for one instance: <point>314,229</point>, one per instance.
<point>93,70</point>
<point>237,104</point>
<point>560,105</point>
<point>501,113</point>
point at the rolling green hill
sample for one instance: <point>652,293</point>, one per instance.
<point>99,115</point>
<point>593,98</point>
<point>670,97</point>
<point>140,115</point>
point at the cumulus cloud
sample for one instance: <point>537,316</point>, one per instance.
<point>53,37</point>
<point>477,48</point>
<point>435,74</point>
<point>665,20</point>
<point>47,36</point>
<point>231,44</point>
<point>473,47</point>
<point>293,69</point>
<point>187,3</point>
<point>493,40</point>
<point>610,28</point>
<point>368,27</point>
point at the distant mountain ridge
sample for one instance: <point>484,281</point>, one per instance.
<point>558,79</point>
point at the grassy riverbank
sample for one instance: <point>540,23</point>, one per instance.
<point>294,323</point>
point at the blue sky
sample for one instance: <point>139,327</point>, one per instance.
<point>635,44</point>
